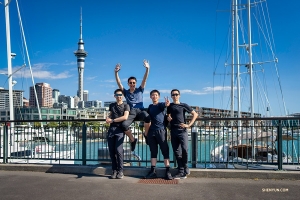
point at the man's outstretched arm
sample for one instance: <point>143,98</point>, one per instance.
<point>117,69</point>
<point>147,66</point>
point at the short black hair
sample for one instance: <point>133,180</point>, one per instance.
<point>131,77</point>
<point>174,91</point>
<point>155,91</point>
<point>118,90</point>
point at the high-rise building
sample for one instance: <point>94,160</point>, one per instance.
<point>94,104</point>
<point>69,100</point>
<point>44,95</point>
<point>17,98</point>
<point>55,95</point>
<point>76,100</point>
<point>85,95</point>
<point>80,54</point>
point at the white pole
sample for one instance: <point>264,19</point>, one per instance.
<point>9,67</point>
<point>237,63</point>
<point>250,60</point>
<point>232,66</point>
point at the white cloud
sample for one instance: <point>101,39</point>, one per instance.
<point>70,63</point>
<point>217,88</point>
<point>91,77</point>
<point>40,71</point>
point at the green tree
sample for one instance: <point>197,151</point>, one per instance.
<point>64,125</point>
<point>51,125</point>
<point>77,124</point>
<point>37,124</point>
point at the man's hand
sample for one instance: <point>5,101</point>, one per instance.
<point>182,125</point>
<point>108,120</point>
<point>146,63</point>
<point>167,101</point>
<point>118,67</point>
<point>169,118</point>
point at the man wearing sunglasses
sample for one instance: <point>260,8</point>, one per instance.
<point>179,135</point>
<point>134,98</point>
<point>119,112</point>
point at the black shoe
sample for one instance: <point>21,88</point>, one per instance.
<point>169,176</point>
<point>114,175</point>
<point>180,175</point>
<point>120,175</point>
<point>187,171</point>
<point>151,175</point>
<point>132,144</point>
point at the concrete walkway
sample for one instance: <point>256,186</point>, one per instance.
<point>142,171</point>
<point>31,185</point>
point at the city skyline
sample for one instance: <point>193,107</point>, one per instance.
<point>177,38</point>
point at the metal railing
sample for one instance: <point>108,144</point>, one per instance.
<point>271,143</point>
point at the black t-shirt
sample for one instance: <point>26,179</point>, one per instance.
<point>117,111</point>
<point>177,112</point>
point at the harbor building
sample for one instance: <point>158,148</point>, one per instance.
<point>55,95</point>
<point>17,98</point>
<point>44,95</point>
<point>85,95</point>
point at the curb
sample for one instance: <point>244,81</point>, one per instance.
<point>142,171</point>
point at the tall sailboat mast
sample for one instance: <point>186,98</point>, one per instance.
<point>232,61</point>
<point>237,58</point>
<point>250,67</point>
<point>9,65</point>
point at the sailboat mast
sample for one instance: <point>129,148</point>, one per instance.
<point>237,57</point>
<point>9,66</point>
<point>232,61</point>
<point>250,58</point>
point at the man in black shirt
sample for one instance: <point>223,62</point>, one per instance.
<point>179,135</point>
<point>119,112</point>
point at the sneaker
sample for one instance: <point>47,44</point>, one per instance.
<point>114,175</point>
<point>187,171</point>
<point>120,175</point>
<point>151,175</point>
<point>132,144</point>
<point>180,175</point>
<point>169,176</point>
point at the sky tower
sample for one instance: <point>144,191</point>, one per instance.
<point>80,54</point>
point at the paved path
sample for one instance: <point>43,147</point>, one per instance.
<point>40,185</point>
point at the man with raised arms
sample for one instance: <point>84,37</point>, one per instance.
<point>134,98</point>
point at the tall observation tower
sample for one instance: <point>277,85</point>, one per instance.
<point>80,54</point>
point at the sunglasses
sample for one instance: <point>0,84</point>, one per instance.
<point>132,83</point>
<point>118,95</point>
<point>175,95</point>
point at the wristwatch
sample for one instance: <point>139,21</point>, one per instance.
<point>113,120</point>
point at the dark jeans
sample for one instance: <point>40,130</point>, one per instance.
<point>135,114</point>
<point>115,138</point>
<point>156,137</point>
<point>179,140</point>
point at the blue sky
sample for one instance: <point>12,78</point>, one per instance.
<point>185,42</point>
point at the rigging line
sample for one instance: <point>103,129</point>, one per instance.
<point>222,49</point>
<point>275,69</point>
<point>267,42</point>
<point>259,93</point>
<point>266,96</point>
<point>215,51</point>
<point>272,36</point>
<point>261,51</point>
<point>20,19</point>
<point>265,22</point>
